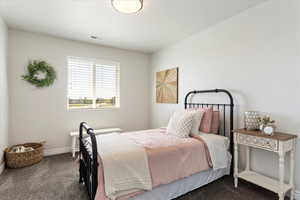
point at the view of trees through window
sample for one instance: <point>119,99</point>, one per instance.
<point>89,103</point>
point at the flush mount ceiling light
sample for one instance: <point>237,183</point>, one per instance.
<point>127,6</point>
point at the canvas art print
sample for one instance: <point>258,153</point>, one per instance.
<point>167,86</point>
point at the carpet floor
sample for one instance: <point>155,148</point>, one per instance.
<point>56,178</point>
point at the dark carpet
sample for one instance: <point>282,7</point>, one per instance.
<point>56,178</point>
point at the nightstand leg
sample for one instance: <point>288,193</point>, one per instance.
<point>73,146</point>
<point>247,158</point>
<point>281,175</point>
<point>235,165</point>
<point>292,166</point>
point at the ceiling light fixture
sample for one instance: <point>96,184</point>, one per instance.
<point>127,6</point>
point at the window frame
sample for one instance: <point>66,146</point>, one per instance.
<point>96,62</point>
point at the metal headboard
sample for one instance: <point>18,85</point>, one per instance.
<point>220,107</point>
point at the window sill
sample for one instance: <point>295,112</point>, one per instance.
<point>91,109</point>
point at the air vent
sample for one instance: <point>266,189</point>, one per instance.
<point>94,37</point>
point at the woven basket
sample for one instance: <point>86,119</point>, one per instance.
<point>24,159</point>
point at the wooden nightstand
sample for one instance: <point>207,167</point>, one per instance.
<point>280,143</point>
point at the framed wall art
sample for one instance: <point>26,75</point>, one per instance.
<point>167,86</point>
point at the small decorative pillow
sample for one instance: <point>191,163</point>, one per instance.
<point>180,124</point>
<point>205,125</point>
<point>197,117</point>
<point>215,122</point>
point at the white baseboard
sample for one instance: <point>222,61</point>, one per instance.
<point>297,195</point>
<point>56,151</point>
<point>2,166</point>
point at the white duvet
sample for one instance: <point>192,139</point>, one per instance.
<point>125,163</point>
<point>218,149</point>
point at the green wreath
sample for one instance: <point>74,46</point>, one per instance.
<point>40,73</point>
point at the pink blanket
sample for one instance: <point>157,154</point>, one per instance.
<point>170,158</point>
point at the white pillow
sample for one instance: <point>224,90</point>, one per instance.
<point>197,117</point>
<point>180,124</point>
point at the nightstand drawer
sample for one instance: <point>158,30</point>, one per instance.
<point>260,142</point>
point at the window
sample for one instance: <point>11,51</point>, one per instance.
<point>93,83</point>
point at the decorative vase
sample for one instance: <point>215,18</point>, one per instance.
<point>251,120</point>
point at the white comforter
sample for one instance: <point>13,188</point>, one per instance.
<point>125,165</point>
<point>218,149</point>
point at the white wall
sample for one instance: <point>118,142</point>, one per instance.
<point>41,114</point>
<point>256,55</point>
<point>3,92</point>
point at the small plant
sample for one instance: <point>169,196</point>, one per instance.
<point>265,120</point>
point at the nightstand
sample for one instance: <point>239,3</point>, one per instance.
<point>279,143</point>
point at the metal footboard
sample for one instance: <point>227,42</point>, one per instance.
<point>88,169</point>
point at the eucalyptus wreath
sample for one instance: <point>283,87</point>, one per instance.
<point>40,74</point>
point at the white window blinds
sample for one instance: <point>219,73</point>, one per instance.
<point>80,79</point>
<point>93,83</point>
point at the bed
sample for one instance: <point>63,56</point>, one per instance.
<point>195,173</point>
